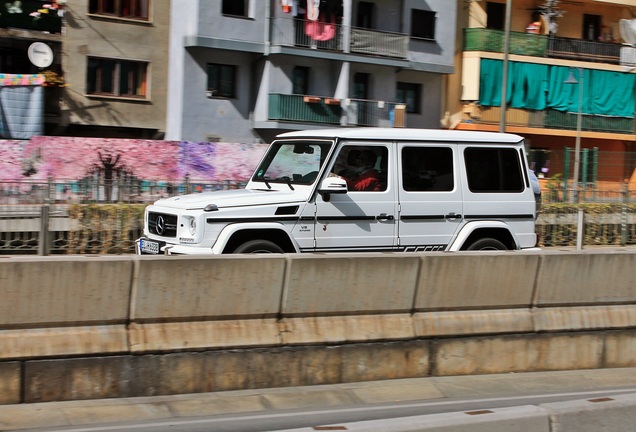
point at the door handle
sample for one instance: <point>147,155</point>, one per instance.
<point>384,216</point>
<point>453,216</point>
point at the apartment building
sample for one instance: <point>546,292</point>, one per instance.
<point>115,62</point>
<point>246,70</point>
<point>30,45</point>
<point>570,60</point>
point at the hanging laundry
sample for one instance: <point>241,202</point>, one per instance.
<point>287,5</point>
<point>320,30</point>
<point>313,9</point>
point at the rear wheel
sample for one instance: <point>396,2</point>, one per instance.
<point>487,244</point>
<point>258,246</point>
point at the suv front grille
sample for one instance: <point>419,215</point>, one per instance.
<point>162,224</point>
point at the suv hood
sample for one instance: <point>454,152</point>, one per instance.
<point>234,198</point>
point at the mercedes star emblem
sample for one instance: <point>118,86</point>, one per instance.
<point>161,225</point>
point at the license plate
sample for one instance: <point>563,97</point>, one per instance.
<point>148,247</point>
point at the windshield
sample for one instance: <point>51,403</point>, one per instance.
<point>293,162</point>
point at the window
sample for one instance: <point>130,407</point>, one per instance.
<point>409,94</point>
<point>365,168</point>
<point>300,80</point>
<point>492,170</point>
<point>360,88</point>
<point>496,15</point>
<point>592,27</point>
<point>427,169</point>
<point>365,15</point>
<point>423,24</point>
<point>116,77</point>
<point>235,7</point>
<point>136,9</point>
<point>221,80</point>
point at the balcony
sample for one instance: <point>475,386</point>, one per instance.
<point>482,39</point>
<point>384,44</point>
<point>303,109</point>
<point>332,37</point>
<point>553,119</point>
<point>20,17</point>
<point>330,111</point>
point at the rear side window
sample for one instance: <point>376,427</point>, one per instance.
<point>427,169</point>
<point>492,170</point>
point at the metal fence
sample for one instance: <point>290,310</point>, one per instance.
<point>118,190</point>
<point>536,45</point>
<point>45,219</point>
<point>301,33</point>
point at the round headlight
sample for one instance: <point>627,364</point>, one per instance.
<point>192,226</point>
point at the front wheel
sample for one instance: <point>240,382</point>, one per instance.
<point>487,244</point>
<point>258,246</point>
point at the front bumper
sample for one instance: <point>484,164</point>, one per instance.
<point>146,246</point>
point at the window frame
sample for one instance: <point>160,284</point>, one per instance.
<point>137,77</point>
<point>423,18</point>
<point>220,68</point>
<point>117,8</point>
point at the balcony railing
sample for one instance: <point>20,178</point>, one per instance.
<point>482,39</point>
<point>318,35</point>
<point>346,112</point>
<point>361,112</point>
<point>304,109</point>
<point>372,42</point>
<point>553,119</point>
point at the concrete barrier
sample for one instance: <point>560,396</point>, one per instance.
<point>64,306</point>
<point>163,325</point>
<point>191,303</point>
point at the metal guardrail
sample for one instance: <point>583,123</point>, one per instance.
<point>335,37</point>
<point>112,229</point>
<point>537,45</point>
<point>327,110</point>
<point>118,190</point>
<point>553,119</point>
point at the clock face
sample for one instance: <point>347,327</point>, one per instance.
<point>40,54</point>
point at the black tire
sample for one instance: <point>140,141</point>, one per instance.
<point>487,244</point>
<point>258,246</point>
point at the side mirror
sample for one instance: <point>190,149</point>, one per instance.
<point>332,185</point>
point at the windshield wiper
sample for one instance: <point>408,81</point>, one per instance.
<point>266,182</point>
<point>288,181</point>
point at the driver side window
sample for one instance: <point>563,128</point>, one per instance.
<point>363,167</point>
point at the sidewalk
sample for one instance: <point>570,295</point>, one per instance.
<point>76,413</point>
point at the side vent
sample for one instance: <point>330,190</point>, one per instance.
<point>286,211</point>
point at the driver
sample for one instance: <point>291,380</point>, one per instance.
<point>364,176</point>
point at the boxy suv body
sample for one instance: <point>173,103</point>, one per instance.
<point>432,190</point>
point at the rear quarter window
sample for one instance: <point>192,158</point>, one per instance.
<point>493,170</point>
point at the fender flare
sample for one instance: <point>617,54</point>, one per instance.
<point>229,230</point>
<point>471,227</point>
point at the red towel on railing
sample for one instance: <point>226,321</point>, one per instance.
<point>320,31</point>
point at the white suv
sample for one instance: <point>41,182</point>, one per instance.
<point>428,190</point>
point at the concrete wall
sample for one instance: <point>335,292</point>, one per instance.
<point>95,327</point>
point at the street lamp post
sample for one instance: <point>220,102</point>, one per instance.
<point>577,155</point>
<point>504,83</point>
